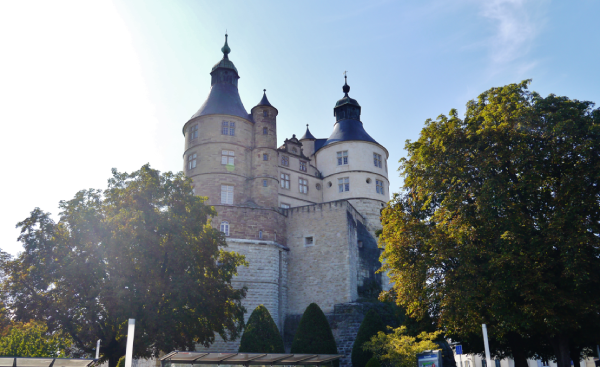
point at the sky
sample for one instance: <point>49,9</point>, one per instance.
<point>86,86</point>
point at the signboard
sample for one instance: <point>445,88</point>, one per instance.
<point>459,349</point>
<point>429,359</point>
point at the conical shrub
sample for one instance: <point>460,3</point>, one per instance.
<point>314,335</point>
<point>371,325</point>
<point>373,362</point>
<point>261,334</point>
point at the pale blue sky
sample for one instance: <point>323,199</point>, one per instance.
<point>90,85</point>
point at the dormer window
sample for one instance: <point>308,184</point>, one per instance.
<point>294,150</point>
<point>303,166</point>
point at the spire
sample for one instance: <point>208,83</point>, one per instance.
<point>346,87</point>
<point>225,49</point>
<point>308,135</point>
<point>346,108</point>
<point>264,101</point>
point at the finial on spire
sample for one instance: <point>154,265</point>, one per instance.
<point>346,87</point>
<point>225,49</point>
<point>307,126</point>
<point>264,91</point>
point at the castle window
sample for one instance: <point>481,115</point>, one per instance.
<point>285,160</point>
<point>225,228</point>
<point>303,166</point>
<point>342,158</point>
<point>226,194</point>
<point>318,186</point>
<point>227,157</point>
<point>309,241</point>
<point>228,128</point>
<point>193,132</point>
<point>260,235</point>
<point>285,181</point>
<point>265,157</point>
<point>192,161</point>
<point>265,131</point>
<point>303,186</point>
<point>284,206</point>
<point>379,187</point>
<point>265,113</point>
<point>344,184</point>
<point>377,160</point>
<point>294,150</point>
<point>265,183</point>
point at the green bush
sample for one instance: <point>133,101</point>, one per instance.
<point>373,362</point>
<point>371,325</point>
<point>121,362</point>
<point>314,335</point>
<point>261,334</point>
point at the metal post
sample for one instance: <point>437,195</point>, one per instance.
<point>485,343</point>
<point>129,350</point>
<point>98,349</point>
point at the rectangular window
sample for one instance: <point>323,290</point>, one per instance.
<point>265,131</point>
<point>377,160</point>
<point>192,161</point>
<point>225,228</point>
<point>379,187</point>
<point>285,181</point>
<point>264,183</point>
<point>226,194</point>
<point>228,128</point>
<point>342,158</point>
<point>265,113</point>
<point>302,166</point>
<point>285,160</point>
<point>303,185</point>
<point>344,184</point>
<point>194,132</point>
<point>309,241</point>
<point>284,206</point>
<point>227,157</point>
<point>265,157</point>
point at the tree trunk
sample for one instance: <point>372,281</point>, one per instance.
<point>113,360</point>
<point>519,354</point>
<point>575,355</point>
<point>560,345</point>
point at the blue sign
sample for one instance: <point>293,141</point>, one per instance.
<point>459,349</point>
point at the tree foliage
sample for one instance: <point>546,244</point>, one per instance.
<point>399,349</point>
<point>261,334</point>
<point>32,339</point>
<point>370,326</point>
<point>499,221</point>
<point>314,334</point>
<point>142,249</point>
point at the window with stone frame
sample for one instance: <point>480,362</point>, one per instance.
<point>302,185</point>
<point>228,157</point>
<point>265,184</point>
<point>225,228</point>
<point>194,132</point>
<point>260,235</point>
<point>377,160</point>
<point>284,206</point>
<point>303,166</point>
<point>265,157</point>
<point>344,184</point>
<point>265,131</point>
<point>342,158</point>
<point>191,163</point>
<point>285,181</point>
<point>285,160</point>
<point>379,187</point>
<point>309,241</point>
<point>228,128</point>
<point>226,194</point>
<point>265,113</point>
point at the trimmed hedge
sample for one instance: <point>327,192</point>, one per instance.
<point>371,325</point>
<point>373,362</point>
<point>261,334</point>
<point>314,334</point>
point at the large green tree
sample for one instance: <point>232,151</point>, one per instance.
<point>142,249</point>
<point>32,339</point>
<point>498,222</point>
<point>261,334</point>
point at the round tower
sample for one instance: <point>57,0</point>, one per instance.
<point>265,182</point>
<point>353,164</point>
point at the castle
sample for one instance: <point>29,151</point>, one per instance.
<point>304,214</point>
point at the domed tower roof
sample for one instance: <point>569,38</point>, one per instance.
<point>224,97</point>
<point>348,125</point>
<point>308,135</point>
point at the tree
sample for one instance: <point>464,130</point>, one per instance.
<point>370,326</point>
<point>498,222</point>
<point>400,349</point>
<point>314,334</point>
<point>31,339</point>
<point>261,334</point>
<point>144,249</point>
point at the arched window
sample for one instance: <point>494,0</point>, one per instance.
<point>225,228</point>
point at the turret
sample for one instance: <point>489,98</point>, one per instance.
<point>308,143</point>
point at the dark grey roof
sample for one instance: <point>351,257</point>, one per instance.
<point>319,143</point>
<point>349,129</point>
<point>307,135</point>
<point>224,63</point>
<point>272,359</point>
<point>45,362</point>
<point>223,99</point>
<point>264,101</point>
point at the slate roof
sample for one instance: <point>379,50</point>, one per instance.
<point>264,101</point>
<point>348,129</point>
<point>223,99</point>
<point>307,135</point>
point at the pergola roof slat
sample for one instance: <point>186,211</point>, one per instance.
<point>197,358</point>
